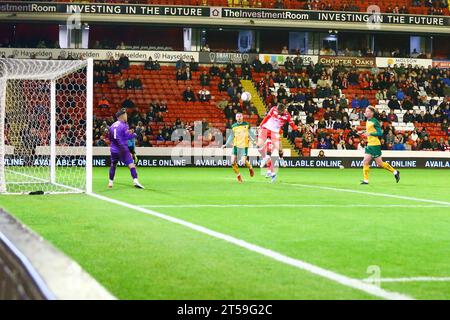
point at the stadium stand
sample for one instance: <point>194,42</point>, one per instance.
<point>161,87</point>
<point>324,100</point>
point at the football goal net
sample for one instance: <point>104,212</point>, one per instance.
<point>46,121</point>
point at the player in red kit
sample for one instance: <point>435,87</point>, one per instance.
<point>269,136</point>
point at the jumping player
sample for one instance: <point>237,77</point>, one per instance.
<point>240,135</point>
<point>119,136</point>
<point>269,136</point>
<point>373,149</point>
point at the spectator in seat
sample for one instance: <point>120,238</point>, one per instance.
<point>393,104</point>
<point>252,109</point>
<point>128,103</point>
<point>279,4</point>
<point>160,136</point>
<point>355,102</point>
<point>353,132</point>
<point>420,117</point>
<point>257,64</point>
<point>206,48</point>
<point>392,117</point>
<point>222,86</point>
<point>267,67</point>
<point>246,70</point>
<point>137,83</point>
<point>128,84</point>
<point>363,103</point>
<point>428,118</point>
<point>163,107</point>
<point>337,125</point>
<point>145,142</point>
<point>379,95</point>
<point>350,145</point>
<point>193,65</point>
<point>103,103</point>
<point>434,144</point>
<point>228,112</point>
<point>120,83</point>
<point>414,136</point>
<point>156,65</point>
<point>180,75</point>
<point>149,64</point>
<point>281,93</point>
<point>397,145</point>
<point>408,117</point>
<point>383,117</point>
<point>343,102</point>
<point>151,114</point>
<point>310,118</point>
<point>214,71</point>
<point>426,144</point>
<point>180,64</point>
<point>188,73</point>
<point>323,144</point>
<point>400,94</point>
<point>159,117</point>
<point>188,95</point>
<point>441,145</point>
<point>204,95</point>
<point>407,104</point>
<point>205,79</point>
<point>124,62</point>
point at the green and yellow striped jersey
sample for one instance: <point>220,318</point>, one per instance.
<point>373,129</point>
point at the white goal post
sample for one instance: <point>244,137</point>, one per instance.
<point>46,126</point>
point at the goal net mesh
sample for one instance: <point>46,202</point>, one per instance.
<point>43,126</point>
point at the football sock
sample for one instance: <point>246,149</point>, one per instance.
<point>270,165</point>
<point>388,167</point>
<point>247,164</point>
<point>133,173</point>
<point>112,172</point>
<point>366,169</point>
<point>236,168</point>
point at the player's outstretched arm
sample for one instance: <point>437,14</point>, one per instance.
<point>229,139</point>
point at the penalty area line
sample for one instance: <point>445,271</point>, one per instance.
<point>409,279</point>
<point>284,205</point>
<point>386,195</point>
<point>299,264</point>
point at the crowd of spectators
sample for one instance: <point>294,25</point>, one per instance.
<point>402,87</point>
<point>298,84</point>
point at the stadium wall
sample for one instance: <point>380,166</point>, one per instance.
<point>211,57</point>
<point>32,269</point>
<point>217,157</point>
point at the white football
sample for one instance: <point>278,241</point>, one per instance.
<point>246,96</point>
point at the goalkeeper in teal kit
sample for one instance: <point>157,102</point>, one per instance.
<point>132,148</point>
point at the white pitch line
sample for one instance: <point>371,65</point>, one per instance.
<point>409,279</point>
<point>284,205</point>
<point>324,273</point>
<point>367,193</point>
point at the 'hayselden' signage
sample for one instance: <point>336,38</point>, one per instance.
<point>225,13</point>
<point>133,55</point>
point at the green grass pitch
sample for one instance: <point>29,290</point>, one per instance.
<point>302,215</point>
